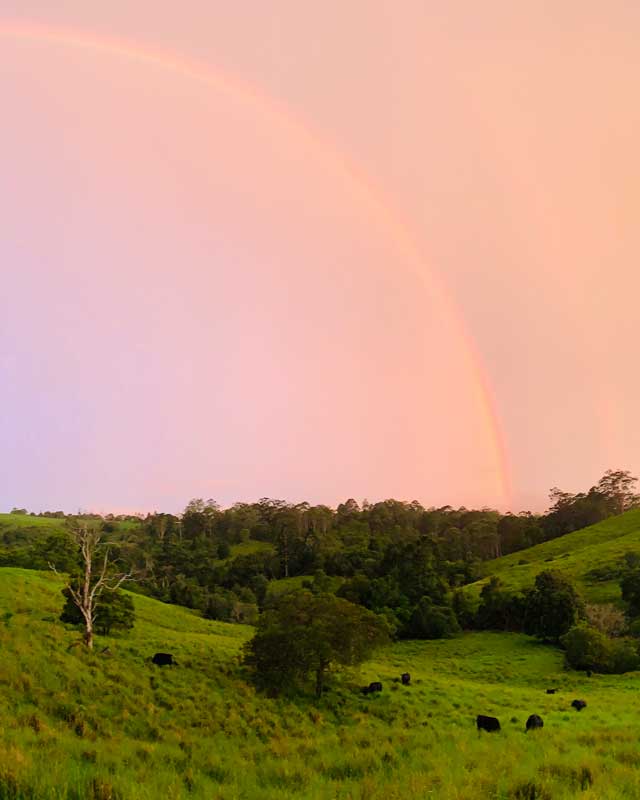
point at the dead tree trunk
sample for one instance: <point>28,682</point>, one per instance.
<point>87,591</point>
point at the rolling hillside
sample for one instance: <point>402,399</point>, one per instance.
<point>601,546</point>
<point>16,526</point>
<point>111,726</point>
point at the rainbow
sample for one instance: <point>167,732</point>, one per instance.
<point>363,192</point>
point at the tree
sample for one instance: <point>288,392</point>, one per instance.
<point>552,607</point>
<point>630,586</point>
<point>86,589</point>
<point>58,549</point>
<point>430,621</point>
<point>619,486</point>
<point>114,610</point>
<point>499,610</point>
<point>305,634</point>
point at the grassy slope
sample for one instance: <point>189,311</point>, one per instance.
<point>80,725</point>
<point>25,528</point>
<point>574,555</point>
<point>245,549</point>
<point>22,526</point>
<point>26,521</point>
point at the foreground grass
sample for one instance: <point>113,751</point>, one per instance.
<point>575,555</point>
<point>114,727</point>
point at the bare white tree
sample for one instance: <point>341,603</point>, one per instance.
<point>95,577</point>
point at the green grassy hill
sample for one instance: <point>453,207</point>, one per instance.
<point>82,725</point>
<point>16,525</point>
<point>576,555</point>
<point>25,528</point>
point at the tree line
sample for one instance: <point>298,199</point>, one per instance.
<point>378,572</point>
<point>397,559</point>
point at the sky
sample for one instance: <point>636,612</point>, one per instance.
<point>315,251</point>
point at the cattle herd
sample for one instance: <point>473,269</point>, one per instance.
<point>483,722</point>
<point>491,724</point>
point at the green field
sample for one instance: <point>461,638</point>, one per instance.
<point>79,725</point>
<point>24,527</point>
<point>17,523</point>
<point>246,549</point>
<point>601,545</point>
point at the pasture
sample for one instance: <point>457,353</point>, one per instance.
<point>602,546</point>
<point>78,725</point>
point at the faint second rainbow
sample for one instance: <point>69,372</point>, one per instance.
<point>363,191</point>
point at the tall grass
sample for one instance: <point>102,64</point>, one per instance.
<point>109,726</point>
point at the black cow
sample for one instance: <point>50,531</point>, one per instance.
<point>163,660</point>
<point>578,705</point>
<point>551,691</point>
<point>375,686</point>
<point>489,724</point>
<point>534,722</point>
<point>405,678</point>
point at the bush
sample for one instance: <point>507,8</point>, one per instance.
<point>624,657</point>
<point>607,619</point>
<point>586,649</point>
<point>589,649</point>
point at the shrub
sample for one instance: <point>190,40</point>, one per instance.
<point>624,657</point>
<point>606,618</point>
<point>586,648</point>
<point>589,649</point>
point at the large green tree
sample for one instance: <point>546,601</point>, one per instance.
<point>307,635</point>
<point>552,607</point>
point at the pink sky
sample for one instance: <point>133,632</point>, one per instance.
<point>315,251</point>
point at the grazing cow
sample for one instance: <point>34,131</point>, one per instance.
<point>375,686</point>
<point>405,678</point>
<point>551,691</point>
<point>489,724</point>
<point>578,705</point>
<point>534,722</point>
<point>163,660</point>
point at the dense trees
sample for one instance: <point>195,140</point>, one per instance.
<point>305,635</point>
<point>613,494</point>
<point>397,559</point>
